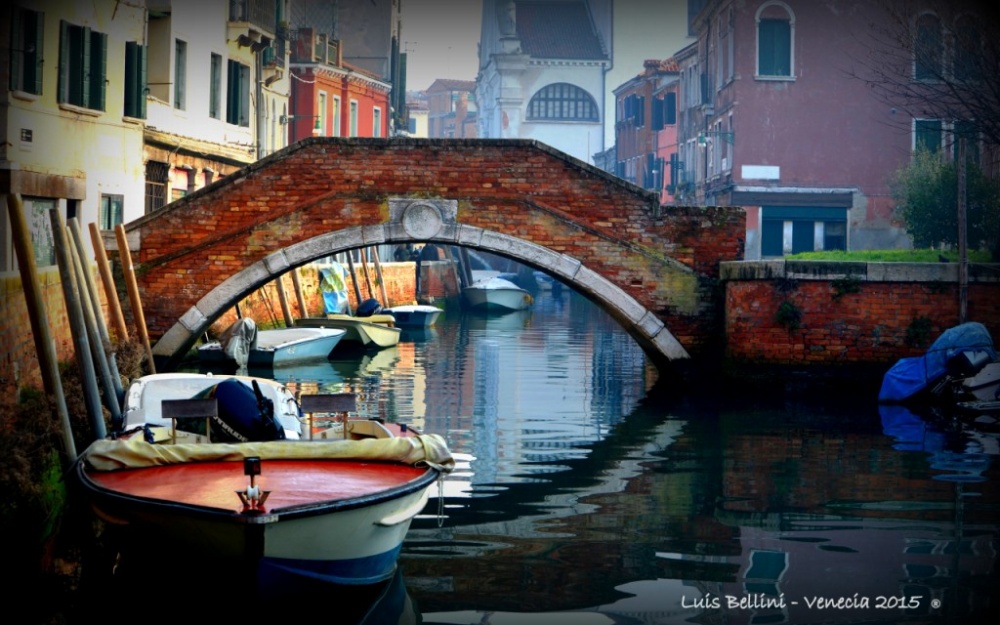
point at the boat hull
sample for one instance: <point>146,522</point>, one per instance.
<point>280,347</point>
<point>496,299</point>
<point>342,522</point>
<point>416,316</point>
<point>357,331</point>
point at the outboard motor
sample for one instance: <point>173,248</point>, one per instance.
<point>368,308</point>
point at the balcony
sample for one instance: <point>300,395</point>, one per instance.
<point>257,17</point>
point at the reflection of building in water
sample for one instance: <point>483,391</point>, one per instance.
<point>618,372</point>
<point>486,384</point>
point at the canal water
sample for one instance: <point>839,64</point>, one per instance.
<point>590,490</point>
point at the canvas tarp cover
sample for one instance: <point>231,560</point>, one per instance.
<point>909,376</point>
<point>425,449</point>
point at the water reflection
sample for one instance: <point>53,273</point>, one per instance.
<point>588,491</point>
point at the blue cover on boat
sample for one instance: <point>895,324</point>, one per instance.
<point>909,376</point>
<point>243,416</point>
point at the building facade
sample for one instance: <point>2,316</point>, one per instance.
<point>451,109</point>
<point>542,72</point>
<point>331,98</point>
<point>646,128</point>
<point>71,114</point>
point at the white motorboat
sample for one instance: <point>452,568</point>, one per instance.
<point>334,504</point>
<point>246,346</point>
<point>496,294</point>
<point>414,315</point>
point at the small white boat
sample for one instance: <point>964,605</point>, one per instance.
<point>329,501</point>
<point>246,346</point>
<point>372,331</point>
<point>496,294</point>
<point>414,315</point>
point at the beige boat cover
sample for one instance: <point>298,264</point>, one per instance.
<point>423,450</point>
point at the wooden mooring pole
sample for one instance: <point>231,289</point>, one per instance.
<point>41,333</point>
<point>133,292</point>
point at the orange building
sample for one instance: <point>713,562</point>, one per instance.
<point>330,98</point>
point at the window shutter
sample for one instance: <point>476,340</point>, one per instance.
<point>657,110</point>
<point>39,57</point>
<point>141,86</point>
<point>244,95</point>
<point>62,89</point>
<point>232,92</point>
<point>642,110</point>
<point>98,86</point>
<point>670,104</point>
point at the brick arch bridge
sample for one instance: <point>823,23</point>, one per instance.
<point>653,268</point>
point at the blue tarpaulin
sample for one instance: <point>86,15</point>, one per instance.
<point>909,376</point>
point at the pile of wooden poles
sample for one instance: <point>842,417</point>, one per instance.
<point>93,348</point>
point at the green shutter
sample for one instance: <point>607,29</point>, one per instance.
<point>232,92</point>
<point>62,88</point>
<point>774,48</point>
<point>670,102</point>
<point>39,56</point>
<point>17,59</point>
<point>98,85</point>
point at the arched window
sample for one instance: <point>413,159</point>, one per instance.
<point>563,102</point>
<point>968,54</point>
<point>928,48</point>
<point>775,41</point>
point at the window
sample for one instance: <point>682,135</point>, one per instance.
<point>180,74</point>
<point>82,66</point>
<point>335,117</point>
<point>156,185</point>
<point>928,48</point>
<point>321,109</point>
<point>238,94</point>
<point>927,135</point>
<point>135,80</point>
<point>215,87</point>
<point>377,122</point>
<point>790,230</point>
<point>26,40</point>
<point>775,40</point>
<point>112,209</point>
<point>969,54</point>
<point>354,118</point>
<point>967,130</point>
<point>562,102</point>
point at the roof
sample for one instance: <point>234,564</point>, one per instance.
<point>558,30</point>
<point>447,84</point>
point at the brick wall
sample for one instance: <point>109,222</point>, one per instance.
<point>780,313</point>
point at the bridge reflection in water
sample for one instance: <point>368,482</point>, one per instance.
<point>588,491</point>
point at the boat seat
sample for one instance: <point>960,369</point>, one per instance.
<point>175,409</point>
<point>329,403</point>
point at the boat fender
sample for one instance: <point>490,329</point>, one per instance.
<point>368,308</point>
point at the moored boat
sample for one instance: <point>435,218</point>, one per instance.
<point>496,294</point>
<point>372,331</point>
<point>262,479</point>
<point>414,315</point>
<point>246,346</point>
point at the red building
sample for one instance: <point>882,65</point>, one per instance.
<point>330,98</point>
<point>646,128</point>
<point>777,116</point>
<point>451,109</point>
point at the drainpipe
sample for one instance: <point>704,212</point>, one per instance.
<point>258,61</point>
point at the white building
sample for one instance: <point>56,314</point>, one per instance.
<point>542,74</point>
<point>71,118</point>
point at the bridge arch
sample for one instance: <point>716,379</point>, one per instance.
<point>651,267</point>
<point>421,221</point>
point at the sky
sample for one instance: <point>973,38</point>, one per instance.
<point>441,40</point>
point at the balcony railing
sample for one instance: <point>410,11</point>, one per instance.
<point>260,14</point>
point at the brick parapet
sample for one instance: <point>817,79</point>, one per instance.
<point>793,313</point>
